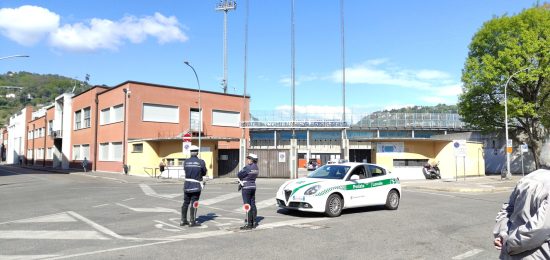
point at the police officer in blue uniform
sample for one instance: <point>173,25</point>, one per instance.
<point>247,179</point>
<point>195,169</point>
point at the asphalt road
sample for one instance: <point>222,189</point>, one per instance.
<point>67,216</point>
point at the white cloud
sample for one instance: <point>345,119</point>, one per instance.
<point>431,74</point>
<point>28,24</point>
<point>367,75</point>
<point>449,91</point>
<point>106,34</point>
<point>287,81</point>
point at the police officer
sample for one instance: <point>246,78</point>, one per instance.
<point>247,178</point>
<point>195,169</point>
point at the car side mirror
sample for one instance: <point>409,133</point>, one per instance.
<point>354,177</point>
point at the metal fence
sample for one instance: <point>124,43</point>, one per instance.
<point>276,119</point>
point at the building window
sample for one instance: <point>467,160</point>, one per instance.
<point>137,148</point>
<point>409,162</point>
<point>118,113</point>
<point>117,151</point>
<point>76,152</point>
<point>78,120</point>
<point>50,127</point>
<point>49,154</point>
<point>87,117</point>
<point>104,151</point>
<point>194,119</point>
<point>110,151</point>
<point>112,115</point>
<point>226,118</point>
<point>170,162</point>
<point>160,113</point>
<point>105,116</point>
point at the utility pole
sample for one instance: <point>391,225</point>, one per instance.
<point>225,6</point>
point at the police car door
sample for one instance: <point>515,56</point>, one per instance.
<point>378,185</point>
<point>356,189</point>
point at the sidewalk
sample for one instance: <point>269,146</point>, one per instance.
<point>483,184</point>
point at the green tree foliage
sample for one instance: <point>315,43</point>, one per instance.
<point>502,47</point>
<point>374,116</point>
<point>33,89</point>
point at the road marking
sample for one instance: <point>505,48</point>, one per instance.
<point>48,234</point>
<point>470,253</point>
<point>128,199</point>
<point>99,206</point>
<point>260,205</point>
<point>156,209</point>
<point>60,217</point>
<point>100,228</point>
<point>161,225</point>
<point>220,198</point>
<point>190,236</point>
<point>150,192</point>
<point>432,193</point>
<point>25,257</point>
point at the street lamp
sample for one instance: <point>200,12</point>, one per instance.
<point>200,108</point>
<point>506,120</point>
<point>14,56</point>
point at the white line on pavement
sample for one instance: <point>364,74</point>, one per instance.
<point>34,219</point>
<point>432,193</point>
<point>192,236</point>
<point>61,217</point>
<point>470,253</point>
<point>128,199</point>
<point>99,206</point>
<point>220,198</point>
<point>25,257</point>
<point>156,209</point>
<point>260,205</point>
<point>100,228</point>
<point>49,234</point>
<point>150,192</point>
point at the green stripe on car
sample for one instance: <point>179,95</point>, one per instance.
<point>359,186</point>
<point>296,189</point>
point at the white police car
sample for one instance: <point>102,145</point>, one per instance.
<point>335,187</point>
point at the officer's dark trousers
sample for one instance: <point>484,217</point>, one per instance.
<point>249,197</point>
<point>188,198</point>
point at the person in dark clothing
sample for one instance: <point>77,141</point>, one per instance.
<point>195,169</point>
<point>247,179</point>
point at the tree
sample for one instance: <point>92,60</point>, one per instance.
<point>502,47</point>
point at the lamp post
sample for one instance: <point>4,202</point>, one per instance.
<point>506,121</point>
<point>200,108</point>
<point>14,56</point>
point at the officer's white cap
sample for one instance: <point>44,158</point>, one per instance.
<point>252,156</point>
<point>194,148</point>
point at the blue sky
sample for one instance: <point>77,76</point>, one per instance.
<point>398,53</point>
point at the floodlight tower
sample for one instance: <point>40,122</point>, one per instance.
<point>225,6</point>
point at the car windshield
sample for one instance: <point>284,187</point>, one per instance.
<point>330,172</point>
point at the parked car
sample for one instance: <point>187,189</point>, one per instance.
<point>334,187</point>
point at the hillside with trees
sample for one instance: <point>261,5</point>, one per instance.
<point>18,89</point>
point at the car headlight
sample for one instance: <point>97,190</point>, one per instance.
<point>312,190</point>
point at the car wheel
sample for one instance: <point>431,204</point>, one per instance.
<point>392,202</point>
<point>334,206</point>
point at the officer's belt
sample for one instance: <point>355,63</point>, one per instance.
<point>193,180</point>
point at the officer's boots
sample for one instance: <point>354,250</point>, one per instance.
<point>183,221</point>
<point>254,215</point>
<point>249,221</point>
<point>194,222</point>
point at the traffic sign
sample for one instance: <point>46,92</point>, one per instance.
<point>186,147</point>
<point>524,148</point>
<point>460,148</point>
<point>187,137</point>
